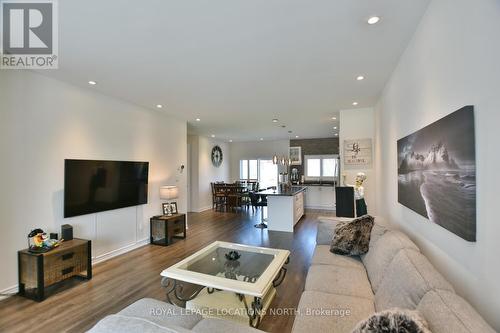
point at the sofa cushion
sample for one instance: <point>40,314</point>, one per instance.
<point>161,313</point>
<point>322,312</point>
<point>446,312</point>
<point>352,238</point>
<point>323,256</point>
<point>339,280</point>
<point>123,324</point>
<point>377,232</point>
<point>381,254</point>
<point>408,278</point>
<point>211,325</point>
<point>393,320</point>
<point>326,229</point>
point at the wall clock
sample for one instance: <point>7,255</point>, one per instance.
<point>217,156</point>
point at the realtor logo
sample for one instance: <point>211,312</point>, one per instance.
<point>28,34</point>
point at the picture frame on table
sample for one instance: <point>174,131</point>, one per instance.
<point>166,209</point>
<point>173,208</point>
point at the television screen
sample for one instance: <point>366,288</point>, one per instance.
<point>95,186</point>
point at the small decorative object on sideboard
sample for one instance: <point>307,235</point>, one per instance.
<point>164,228</point>
<point>233,255</point>
<point>67,232</point>
<point>38,242</point>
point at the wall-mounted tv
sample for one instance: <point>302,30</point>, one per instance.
<point>92,186</point>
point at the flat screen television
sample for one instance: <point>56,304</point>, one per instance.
<point>92,186</point>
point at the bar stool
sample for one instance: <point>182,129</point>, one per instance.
<point>254,198</point>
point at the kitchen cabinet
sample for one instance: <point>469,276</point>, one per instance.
<point>320,197</point>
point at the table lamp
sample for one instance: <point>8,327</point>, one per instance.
<point>169,192</point>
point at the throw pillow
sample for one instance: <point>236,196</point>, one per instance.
<point>352,238</point>
<point>393,321</point>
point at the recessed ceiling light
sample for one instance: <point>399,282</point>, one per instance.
<point>198,119</point>
<point>354,103</point>
<point>296,137</point>
<point>230,140</point>
<point>213,135</point>
<point>373,20</point>
<point>336,134</point>
<point>360,77</point>
<point>275,120</point>
<point>159,106</point>
<point>335,127</point>
<point>334,118</point>
<point>261,139</point>
<point>92,83</point>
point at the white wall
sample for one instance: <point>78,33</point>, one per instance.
<point>254,150</point>
<point>359,124</point>
<point>203,172</point>
<point>452,61</point>
<point>44,121</point>
<point>193,173</point>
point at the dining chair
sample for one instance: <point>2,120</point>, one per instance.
<point>219,195</point>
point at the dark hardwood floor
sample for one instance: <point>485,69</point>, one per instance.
<point>122,280</point>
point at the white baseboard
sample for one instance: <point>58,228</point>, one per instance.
<point>11,290</point>
<point>117,252</point>
<point>332,208</point>
<point>202,209</point>
<point>95,260</point>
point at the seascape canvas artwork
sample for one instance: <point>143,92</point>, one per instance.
<point>437,173</point>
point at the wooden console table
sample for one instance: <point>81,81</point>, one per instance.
<point>164,228</point>
<point>37,271</point>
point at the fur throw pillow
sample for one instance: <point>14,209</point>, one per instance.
<point>352,238</point>
<point>393,321</point>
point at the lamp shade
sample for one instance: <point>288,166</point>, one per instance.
<point>169,192</point>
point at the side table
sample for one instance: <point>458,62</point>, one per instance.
<point>164,228</point>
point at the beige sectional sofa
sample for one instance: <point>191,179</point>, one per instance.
<point>340,291</point>
<point>393,274</point>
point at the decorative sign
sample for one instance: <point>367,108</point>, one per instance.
<point>358,154</point>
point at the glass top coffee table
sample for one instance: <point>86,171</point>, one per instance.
<point>239,269</point>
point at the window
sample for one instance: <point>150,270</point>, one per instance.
<point>321,167</point>
<point>265,171</point>
<point>329,166</point>
<point>253,172</point>
<point>268,173</point>
<point>244,169</point>
<point>249,169</point>
<point>313,167</point>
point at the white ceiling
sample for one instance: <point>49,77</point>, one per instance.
<point>237,64</point>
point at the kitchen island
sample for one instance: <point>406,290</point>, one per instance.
<point>284,207</point>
